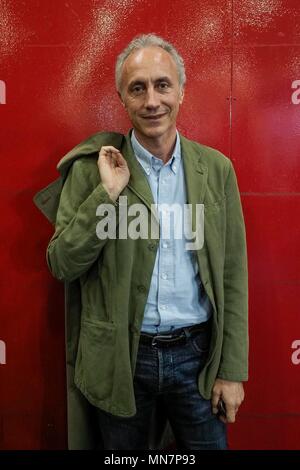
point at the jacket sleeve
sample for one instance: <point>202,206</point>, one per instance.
<point>75,246</point>
<point>234,358</point>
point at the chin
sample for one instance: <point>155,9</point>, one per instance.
<point>153,132</point>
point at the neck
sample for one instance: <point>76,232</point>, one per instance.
<point>161,147</point>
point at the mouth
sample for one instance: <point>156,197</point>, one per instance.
<point>153,117</point>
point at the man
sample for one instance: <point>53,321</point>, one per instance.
<point>158,321</point>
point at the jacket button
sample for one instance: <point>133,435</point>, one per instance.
<point>142,289</point>
<point>152,246</point>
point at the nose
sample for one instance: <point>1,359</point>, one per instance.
<point>151,99</point>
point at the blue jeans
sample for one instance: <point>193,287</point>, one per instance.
<point>169,374</point>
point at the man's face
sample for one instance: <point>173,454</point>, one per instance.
<point>150,92</point>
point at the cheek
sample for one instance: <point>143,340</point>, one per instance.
<point>132,107</point>
<point>175,107</point>
<point>173,103</point>
<point>129,109</point>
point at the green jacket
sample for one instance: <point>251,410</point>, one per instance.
<point>114,275</point>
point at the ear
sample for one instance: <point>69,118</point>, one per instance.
<point>181,95</point>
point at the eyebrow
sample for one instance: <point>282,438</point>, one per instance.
<point>163,79</point>
<point>140,81</point>
<point>136,82</point>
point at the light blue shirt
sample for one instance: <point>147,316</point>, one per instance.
<point>176,297</point>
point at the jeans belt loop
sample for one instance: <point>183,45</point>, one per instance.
<point>187,332</point>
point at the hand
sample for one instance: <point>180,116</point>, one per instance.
<point>113,169</point>
<point>232,394</point>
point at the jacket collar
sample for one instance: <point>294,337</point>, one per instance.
<point>195,172</point>
<point>147,160</point>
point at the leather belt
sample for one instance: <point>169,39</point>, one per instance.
<point>173,338</point>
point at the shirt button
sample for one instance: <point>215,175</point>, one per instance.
<point>163,307</point>
<point>164,276</point>
<point>165,245</point>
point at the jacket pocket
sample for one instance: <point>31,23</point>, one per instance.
<point>95,360</point>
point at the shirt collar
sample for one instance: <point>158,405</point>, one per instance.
<point>146,159</point>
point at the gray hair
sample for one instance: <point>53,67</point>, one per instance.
<point>148,40</point>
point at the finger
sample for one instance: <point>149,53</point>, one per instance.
<point>110,154</point>
<point>230,413</point>
<point>121,160</point>
<point>114,156</point>
<point>109,157</point>
<point>214,401</point>
<point>109,148</point>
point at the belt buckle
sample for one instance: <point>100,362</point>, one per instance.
<point>162,337</point>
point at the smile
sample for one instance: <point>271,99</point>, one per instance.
<point>154,117</point>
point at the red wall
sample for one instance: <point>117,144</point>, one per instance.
<point>242,97</point>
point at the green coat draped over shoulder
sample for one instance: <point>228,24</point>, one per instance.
<point>107,281</point>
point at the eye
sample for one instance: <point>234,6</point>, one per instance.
<point>163,86</point>
<point>137,89</point>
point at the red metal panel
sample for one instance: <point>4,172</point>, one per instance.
<point>266,22</point>
<point>267,432</point>
<point>265,124</point>
<point>57,65</point>
<point>266,151</point>
<point>270,415</point>
<point>274,319</point>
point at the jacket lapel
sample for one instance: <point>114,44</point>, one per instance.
<point>195,175</point>
<point>138,182</point>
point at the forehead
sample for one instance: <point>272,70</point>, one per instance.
<point>149,63</point>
